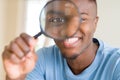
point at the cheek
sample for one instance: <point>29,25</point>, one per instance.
<point>87,29</point>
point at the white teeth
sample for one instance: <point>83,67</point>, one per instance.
<point>71,40</point>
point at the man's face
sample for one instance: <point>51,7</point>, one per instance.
<point>81,41</point>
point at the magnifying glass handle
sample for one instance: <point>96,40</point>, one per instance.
<point>37,35</point>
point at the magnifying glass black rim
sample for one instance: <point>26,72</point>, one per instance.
<point>42,31</point>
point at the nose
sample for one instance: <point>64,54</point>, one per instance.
<point>71,27</point>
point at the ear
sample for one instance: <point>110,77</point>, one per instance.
<point>95,23</point>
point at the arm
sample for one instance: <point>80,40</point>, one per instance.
<point>116,75</point>
<point>21,78</point>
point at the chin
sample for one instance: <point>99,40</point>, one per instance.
<point>71,57</point>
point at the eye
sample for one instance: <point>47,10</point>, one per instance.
<point>83,19</point>
<point>57,20</point>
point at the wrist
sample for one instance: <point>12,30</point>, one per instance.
<point>20,78</point>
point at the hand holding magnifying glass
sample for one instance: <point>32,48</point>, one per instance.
<point>59,19</point>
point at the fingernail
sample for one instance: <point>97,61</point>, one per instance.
<point>27,51</point>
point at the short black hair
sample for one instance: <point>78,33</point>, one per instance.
<point>94,1</point>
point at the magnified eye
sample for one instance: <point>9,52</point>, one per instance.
<point>83,20</point>
<point>57,20</point>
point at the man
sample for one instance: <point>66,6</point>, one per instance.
<point>80,57</point>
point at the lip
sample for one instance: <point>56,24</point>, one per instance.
<point>71,42</point>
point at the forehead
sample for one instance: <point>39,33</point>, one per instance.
<point>85,6</point>
<point>61,7</point>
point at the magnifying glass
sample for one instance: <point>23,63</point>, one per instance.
<point>59,19</point>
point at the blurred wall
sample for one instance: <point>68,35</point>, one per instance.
<point>109,24</point>
<point>11,24</point>
<point>1,37</point>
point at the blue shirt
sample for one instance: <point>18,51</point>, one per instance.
<point>52,66</point>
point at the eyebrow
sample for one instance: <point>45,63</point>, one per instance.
<point>83,13</point>
<point>55,12</point>
<point>62,13</point>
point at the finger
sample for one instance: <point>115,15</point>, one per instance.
<point>29,40</point>
<point>14,59</point>
<point>5,53</point>
<point>9,56</point>
<point>21,43</point>
<point>16,49</point>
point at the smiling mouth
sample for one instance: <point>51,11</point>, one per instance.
<point>71,42</point>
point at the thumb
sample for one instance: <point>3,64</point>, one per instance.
<point>32,43</point>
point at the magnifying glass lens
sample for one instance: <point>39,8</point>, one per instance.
<point>59,19</point>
